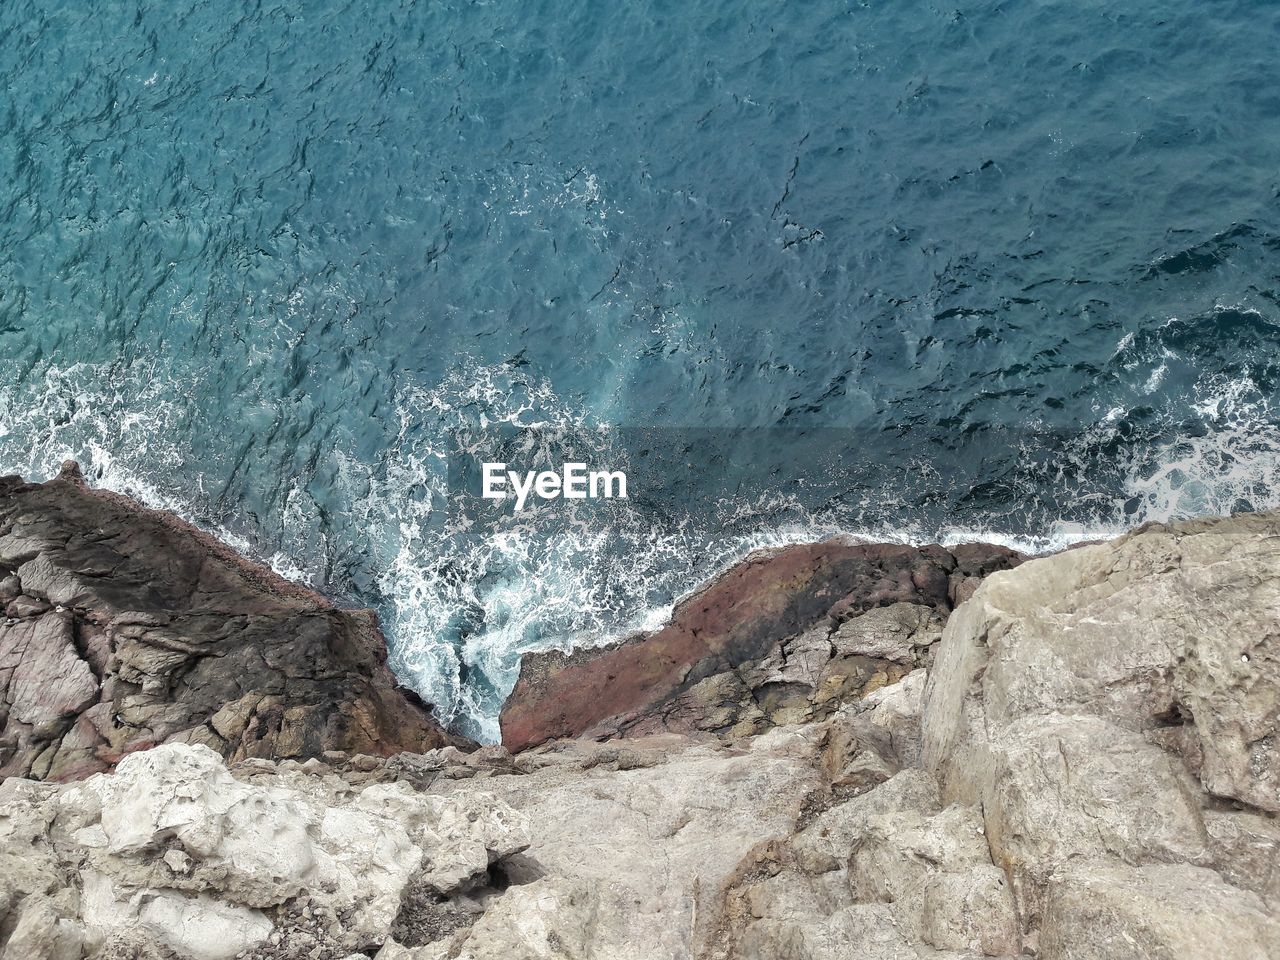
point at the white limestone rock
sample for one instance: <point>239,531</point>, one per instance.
<point>42,932</point>
<point>171,849</point>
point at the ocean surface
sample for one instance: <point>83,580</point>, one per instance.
<point>902,270</point>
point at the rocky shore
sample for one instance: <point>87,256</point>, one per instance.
<point>785,636</point>
<point>832,751</point>
<point>125,628</point>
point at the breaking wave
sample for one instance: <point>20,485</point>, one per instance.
<point>462,603</point>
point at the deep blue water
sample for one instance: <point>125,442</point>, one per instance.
<point>1008,269</point>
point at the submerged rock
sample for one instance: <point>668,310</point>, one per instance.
<point>128,628</point>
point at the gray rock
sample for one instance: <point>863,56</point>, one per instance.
<point>1173,912</point>
<point>897,632</point>
<point>936,872</point>
<point>1169,626</point>
<point>1083,771</point>
<point>42,675</point>
<point>1246,851</point>
<point>1056,789</point>
<point>24,606</point>
<point>971,910</point>
<point>160,633</point>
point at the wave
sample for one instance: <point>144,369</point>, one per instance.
<point>462,604</point>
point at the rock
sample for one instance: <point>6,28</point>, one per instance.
<point>165,635</point>
<point>1071,713</point>
<point>42,933</point>
<point>1058,789</point>
<point>1169,632</point>
<point>1079,768</point>
<point>936,871</point>
<point>636,862</point>
<point>172,850</point>
<point>782,637</point>
<point>868,926</point>
<point>1091,700</point>
<point>464,834</point>
<point>1246,851</point>
<point>971,910</point>
<point>1174,912</point>
<point>26,606</point>
<point>539,921</point>
<point>896,710</point>
<point>891,633</point>
<point>825,843</point>
<point>43,677</point>
<point>897,852</point>
<point>201,927</point>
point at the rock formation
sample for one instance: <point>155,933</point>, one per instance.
<point>1084,765</point>
<point>173,856</point>
<point>782,637</point>
<point>125,628</point>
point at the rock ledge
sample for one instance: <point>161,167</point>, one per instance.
<point>125,628</point>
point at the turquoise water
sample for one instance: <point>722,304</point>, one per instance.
<point>998,269</point>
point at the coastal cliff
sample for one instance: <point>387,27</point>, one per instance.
<point>889,752</point>
<point>125,628</point>
<point>782,637</point>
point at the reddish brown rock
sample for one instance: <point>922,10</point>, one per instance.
<point>739,649</point>
<point>127,627</point>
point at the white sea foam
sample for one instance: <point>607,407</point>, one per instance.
<point>122,423</point>
<point>461,607</point>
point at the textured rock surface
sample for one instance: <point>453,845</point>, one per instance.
<point>126,628</point>
<point>1091,701</point>
<point>783,637</point>
<point>1132,913</point>
<point>171,851</point>
<point>1082,767</point>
